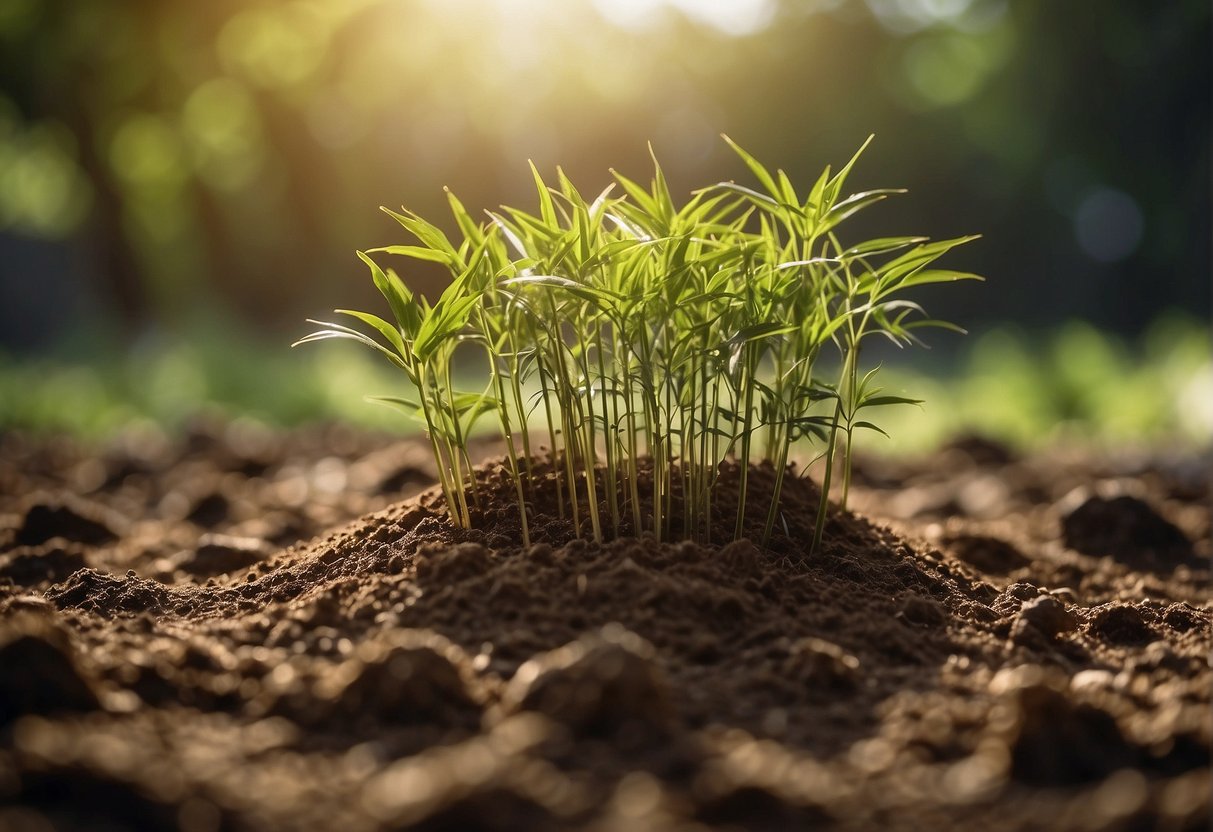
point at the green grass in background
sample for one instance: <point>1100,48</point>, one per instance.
<point>1071,384</point>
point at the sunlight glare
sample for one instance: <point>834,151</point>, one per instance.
<point>732,17</point>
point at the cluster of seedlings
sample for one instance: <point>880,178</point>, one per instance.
<point>652,341</point>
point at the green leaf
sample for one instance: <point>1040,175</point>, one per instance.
<point>756,167</point>
<point>511,234</point>
<point>400,299</point>
<point>815,394</point>
<point>410,408</point>
<point>447,319</point>
<point>881,401</point>
<point>787,193</point>
<point>870,426</point>
<point>936,324</point>
<point>761,199</point>
<point>546,211</point>
<point>567,189</point>
<point>813,261</point>
<point>661,190</point>
<point>896,270</point>
<point>882,245</point>
<point>465,402</point>
<point>417,252</point>
<point>759,331</point>
<point>338,331</point>
<point>834,187</point>
<point>643,199</point>
<point>853,205</point>
<point>937,276</point>
<point>428,233</point>
<point>814,202</point>
<point>591,294</point>
<point>467,226</point>
<point>389,332</point>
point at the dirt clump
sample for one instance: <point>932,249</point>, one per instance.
<point>604,683</point>
<point>1045,615</point>
<point>69,518</point>
<point>1126,528</point>
<point>41,672</point>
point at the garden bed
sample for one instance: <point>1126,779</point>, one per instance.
<point>253,630</point>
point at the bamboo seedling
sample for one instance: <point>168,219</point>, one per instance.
<point>651,342</point>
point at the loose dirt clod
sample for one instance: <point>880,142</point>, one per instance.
<point>1055,740</point>
<point>821,665</point>
<point>68,518</point>
<point>1121,624</point>
<point>989,554</point>
<point>50,562</point>
<point>40,673</point>
<point>218,554</point>
<point>604,683</point>
<point>1046,615</point>
<point>1126,528</point>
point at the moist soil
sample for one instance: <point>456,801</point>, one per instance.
<point>251,630</point>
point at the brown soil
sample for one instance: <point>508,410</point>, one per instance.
<point>191,639</point>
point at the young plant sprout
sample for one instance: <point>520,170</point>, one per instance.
<point>652,342</point>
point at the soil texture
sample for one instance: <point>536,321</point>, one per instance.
<point>249,630</point>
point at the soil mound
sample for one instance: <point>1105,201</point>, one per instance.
<point>932,666</point>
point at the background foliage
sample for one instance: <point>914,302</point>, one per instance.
<point>173,170</point>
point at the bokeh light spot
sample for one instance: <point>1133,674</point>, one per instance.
<point>276,47</point>
<point>944,71</point>
<point>146,152</point>
<point>42,191</point>
<point>731,17</point>
<point>631,14</point>
<point>908,16</point>
<point>1108,225</point>
<point>220,123</point>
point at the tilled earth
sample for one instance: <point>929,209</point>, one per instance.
<point>251,630</point>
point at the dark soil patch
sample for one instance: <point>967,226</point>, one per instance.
<point>978,651</point>
<point>1128,529</point>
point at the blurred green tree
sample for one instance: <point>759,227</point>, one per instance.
<point>231,154</point>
